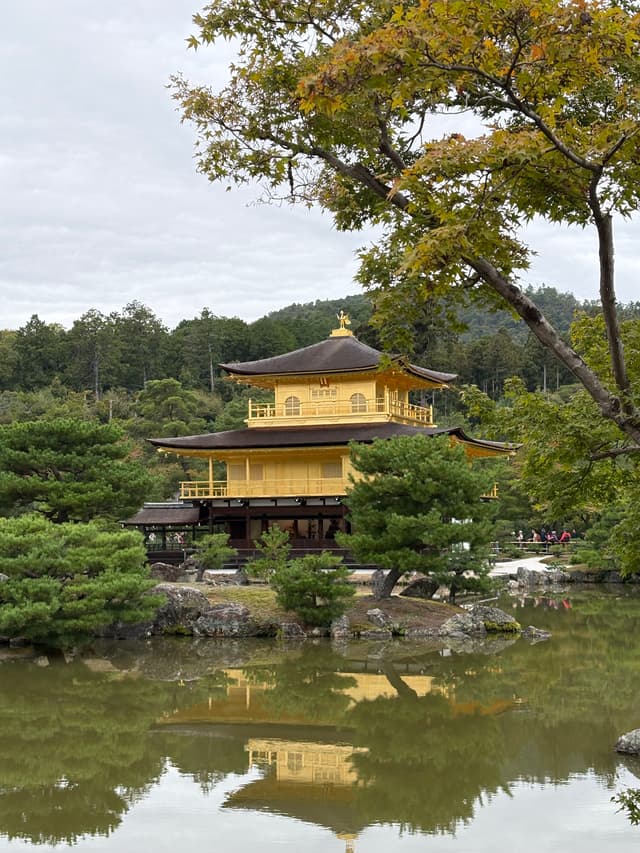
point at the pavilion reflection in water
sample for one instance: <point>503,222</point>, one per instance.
<point>307,765</point>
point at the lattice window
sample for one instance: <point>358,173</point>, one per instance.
<point>324,393</point>
<point>358,403</point>
<point>292,406</point>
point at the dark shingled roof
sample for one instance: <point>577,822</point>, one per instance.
<point>334,355</point>
<point>313,436</point>
<point>168,514</point>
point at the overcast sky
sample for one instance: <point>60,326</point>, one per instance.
<point>101,203</point>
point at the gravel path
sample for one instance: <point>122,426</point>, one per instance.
<point>510,567</point>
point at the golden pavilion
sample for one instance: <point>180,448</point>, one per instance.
<point>291,465</point>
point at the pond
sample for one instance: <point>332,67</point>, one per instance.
<point>239,746</point>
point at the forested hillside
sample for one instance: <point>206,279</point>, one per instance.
<point>117,354</point>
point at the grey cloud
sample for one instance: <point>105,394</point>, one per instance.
<point>99,196</point>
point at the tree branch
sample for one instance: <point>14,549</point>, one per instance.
<point>385,143</point>
<point>614,452</point>
<point>513,102</point>
<point>610,406</point>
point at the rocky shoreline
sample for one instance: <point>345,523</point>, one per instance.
<point>188,612</point>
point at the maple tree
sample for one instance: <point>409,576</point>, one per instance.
<point>331,103</point>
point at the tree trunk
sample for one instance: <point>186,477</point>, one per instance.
<point>390,581</point>
<point>395,680</point>
<point>610,405</point>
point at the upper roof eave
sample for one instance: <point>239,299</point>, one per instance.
<point>269,438</point>
<point>332,356</point>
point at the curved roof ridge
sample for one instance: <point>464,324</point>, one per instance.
<point>333,355</point>
<point>319,435</point>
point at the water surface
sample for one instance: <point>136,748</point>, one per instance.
<point>367,747</point>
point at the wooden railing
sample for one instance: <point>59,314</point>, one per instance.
<point>325,410</point>
<point>282,487</point>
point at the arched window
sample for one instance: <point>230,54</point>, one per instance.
<point>292,406</point>
<point>358,403</point>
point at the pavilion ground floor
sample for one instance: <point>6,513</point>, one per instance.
<point>171,530</point>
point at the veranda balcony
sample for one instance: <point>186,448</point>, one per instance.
<point>282,488</point>
<point>240,489</point>
<point>361,410</point>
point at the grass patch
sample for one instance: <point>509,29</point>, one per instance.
<point>260,599</point>
<point>405,612</point>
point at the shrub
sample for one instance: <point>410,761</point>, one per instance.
<point>213,550</point>
<point>274,545</point>
<point>65,581</point>
<point>316,588</point>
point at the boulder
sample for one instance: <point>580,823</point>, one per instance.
<point>291,631</point>
<point>183,608</point>
<point>462,625</point>
<point>588,577</point>
<point>166,572</point>
<point>629,743</point>
<point>192,565</point>
<point>3,577</point>
<point>340,628</point>
<point>616,577</point>
<point>478,621</point>
<point>557,576</point>
<point>417,632</point>
<point>537,577</point>
<point>225,620</point>
<point>237,578</point>
<point>534,634</point>
<point>377,582</point>
<point>424,587</point>
<point>240,577</point>
<point>376,634</point>
<point>379,618</point>
<point>494,619</point>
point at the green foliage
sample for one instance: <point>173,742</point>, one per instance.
<point>38,348</point>
<point>141,336</point>
<point>213,550</point>
<point>234,414</point>
<point>69,470</point>
<point>573,462</point>
<point>165,408</point>
<point>274,546</point>
<point>66,581</point>
<point>311,322</point>
<point>629,803</point>
<point>53,401</point>
<point>270,337</point>
<point>314,587</point>
<point>416,506</point>
<point>203,342</point>
<point>94,353</point>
